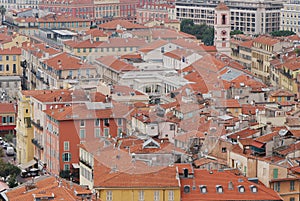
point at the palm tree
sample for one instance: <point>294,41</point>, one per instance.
<point>2,11</point>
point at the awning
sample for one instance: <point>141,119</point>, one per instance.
<point>75,165</point>
<point>28,164</point>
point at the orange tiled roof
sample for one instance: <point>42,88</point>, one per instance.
<point>222,6</point>
<point>64,61</point>
<point>83,44</point>
<point>61,18</point>
<point>125,90</point>
<point>246,133</point>
<point>123,42</point>
<point>112,25</point>
<point>96,33</point>
<point>11,51</point>
<point>266,40</point>
<point>7,108</point>
<point>266,138</point>
<point>229,103</point>
<point>281,93</point>
<point>153,45</point>
<point>116,64</point>
<point>211,179</point>
<point>46,186</point>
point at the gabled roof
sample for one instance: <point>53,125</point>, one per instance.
<point>213,179</point>
<point>64,61</point>
<point>47,186</point>
<point>83,44</point>
<point>267,137</point>
<point>246,133</point>
<point>266,40</point>
<point>7,108</point>
<point>281,93</point>
<point>153,45</point>
<point>11,51</point>
<point>116,64</point>
<point>113,25</point>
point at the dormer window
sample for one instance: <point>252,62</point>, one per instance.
<point>219,189</point>
<point>203,189</point>
<point>241,189</point>
<point>253,189</point>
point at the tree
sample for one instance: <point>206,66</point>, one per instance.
<point>9,137</point>
<point>8,169</point>
<point>2,11</point>
<point>202,31</point>
<point>12,181</point>
<point>235,32</point>
<point>282,33</point>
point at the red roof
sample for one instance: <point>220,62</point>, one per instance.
<point>116,64</point>
<point>7,108</point>
<point>213,179</point>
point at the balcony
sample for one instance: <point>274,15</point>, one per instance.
<point>85,163</point>
<point>37,144</point>
<point>37,125</point>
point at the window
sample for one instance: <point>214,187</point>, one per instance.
<point>292,185</point>
<point>7,67</point>
<point>14,68</point>
<point>172,127</point>
<point>106,122</point>
<point>224,149</point>
<point>141,195</point>
<point>7,58</point>
<point>14,58</point>
<point>119,132</point>
<point>156,195</point>
<point>108,195</point>
<point>4,120</point>
<point>292,199</point>
<point>203,189</point>
<point>106,132</point>
<point>97,122</point>
<point>171,196</point>
<point>1,67</point>
<point>0,57</point>
<point>97,132</point>
<point>66,157</point>
<point>277,186</point>
<point>66,146</point>
<point>275,173</point>
<point>119,122</point>
<point>66,167</point>
<point>219,189</point>
<point>82,123</point>
<point>82,133</point>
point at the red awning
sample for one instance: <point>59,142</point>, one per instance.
<point>7,128</point>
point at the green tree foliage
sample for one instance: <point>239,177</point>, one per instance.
<point>235,32</point>
<point>202,32</point>
<point>282,33</point>
<point>8,169</point>
<point>9,137</point>
<point>12,181</point>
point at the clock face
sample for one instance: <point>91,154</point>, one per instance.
<point>223,32</point>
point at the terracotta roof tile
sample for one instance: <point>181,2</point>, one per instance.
<point>7,108</point>
<point>116,64</point>
<point>113,25</point>
<point>266,40</point>
<point>211,179</point>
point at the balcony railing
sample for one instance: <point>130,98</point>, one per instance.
<point>37,125</point>
<point>85,163</point>
<point>37,144</point>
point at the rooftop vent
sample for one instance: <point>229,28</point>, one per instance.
<point>203,189</point>
<point>241,189</point>
<point>219,189</point>
<point>253,189</point>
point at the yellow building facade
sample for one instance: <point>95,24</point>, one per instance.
<point>10,61</point>
<point>24,135</point>
<point>137,194</point>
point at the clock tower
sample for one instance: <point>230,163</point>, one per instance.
<point>222,28</point>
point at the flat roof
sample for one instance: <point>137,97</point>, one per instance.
<point>65,32</point>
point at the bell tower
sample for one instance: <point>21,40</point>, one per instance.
<point>222,28</point>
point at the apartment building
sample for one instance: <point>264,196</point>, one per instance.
<point>73,8</point>
<point>289,16</point>
<point>106,9</point>
<point>251,17</point>
<point>10,62</point>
